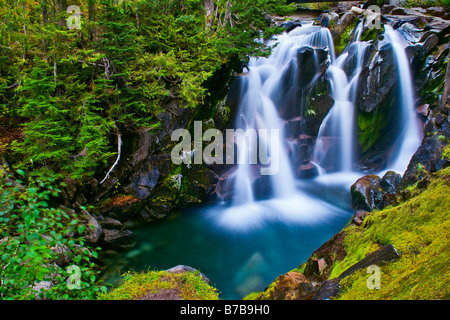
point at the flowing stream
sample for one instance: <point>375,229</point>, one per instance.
<point>244,244</point>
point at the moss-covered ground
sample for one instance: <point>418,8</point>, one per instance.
<point>420,231</point>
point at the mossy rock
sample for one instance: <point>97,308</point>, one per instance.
<point>162,285</point>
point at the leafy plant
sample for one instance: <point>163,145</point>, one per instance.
<point>38,242</point>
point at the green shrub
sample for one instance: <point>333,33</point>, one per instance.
<point>35,237</point>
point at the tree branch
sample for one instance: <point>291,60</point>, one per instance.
<point>119,149</point>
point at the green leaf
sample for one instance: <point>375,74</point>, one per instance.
<point>81,228</point>
<point>21,172</point>
<point>39,276</point>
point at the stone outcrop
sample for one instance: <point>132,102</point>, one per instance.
<point>372,192</point>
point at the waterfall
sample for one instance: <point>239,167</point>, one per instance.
<point>410,137</point>
<point>257,109</point>
<point>337,129</point>
<point>261,100</point>
<point>270,93</point>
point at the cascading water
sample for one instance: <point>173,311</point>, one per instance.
<point>259,109</point>
<point>410,137</point>
<point>338,125</point>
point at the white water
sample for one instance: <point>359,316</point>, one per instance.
<point>410,137</point>
<point>258,111</point>
<point>338,125</point>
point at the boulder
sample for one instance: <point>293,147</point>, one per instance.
<point>436,11</point>
<point>390,182</point>
<point>93,229</point>
<point>118,208</point>
<point>423,110</point>
<point>367,193</point>
<point>109,223</point>
<point>117,238</point>
<point>183,269</point>
<point>307,171</point>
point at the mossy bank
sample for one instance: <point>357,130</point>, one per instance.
<point>417,229</point>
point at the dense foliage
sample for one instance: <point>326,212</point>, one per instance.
<point>40,245</point>
<point>74,78</point>
<point>73,89</point>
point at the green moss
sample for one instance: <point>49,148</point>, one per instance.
<point>136,285</point>
<point>372,34</point>
<point>420,231</point>
<point>340,42</point>
<point>252,296</point>
<point>370,126</point>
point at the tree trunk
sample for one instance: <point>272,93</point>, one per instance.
<point>91,17</point>
<point>209,7</point>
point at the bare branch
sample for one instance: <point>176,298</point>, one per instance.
<point>119,149</point>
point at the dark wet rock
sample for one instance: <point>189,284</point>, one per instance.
<point>146,144</point>
<point>121,208</point>
<point>109,223</point>
<point>387,8</point>
<point>389,199</point>
<point>291,25</point>
<point>93,230</point>
<point>307,171</point>
<point>385,254</point>
<point>300,80</point>
<point>423,110</point>
<point>347,19</point>
<point>377,81</point>
<point>323,19</point>
<point>428,157</point>
<point>398,11</point>
<point>440,119</point>
<point>331,251</point>
<point>372,192</point>
<point>117,238</point>
<point>390,181</point>
<point>328,290</point>
<point>144,179</point>
<point>436,11</point>
<point>197,185</point>
<point>367,193</point>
